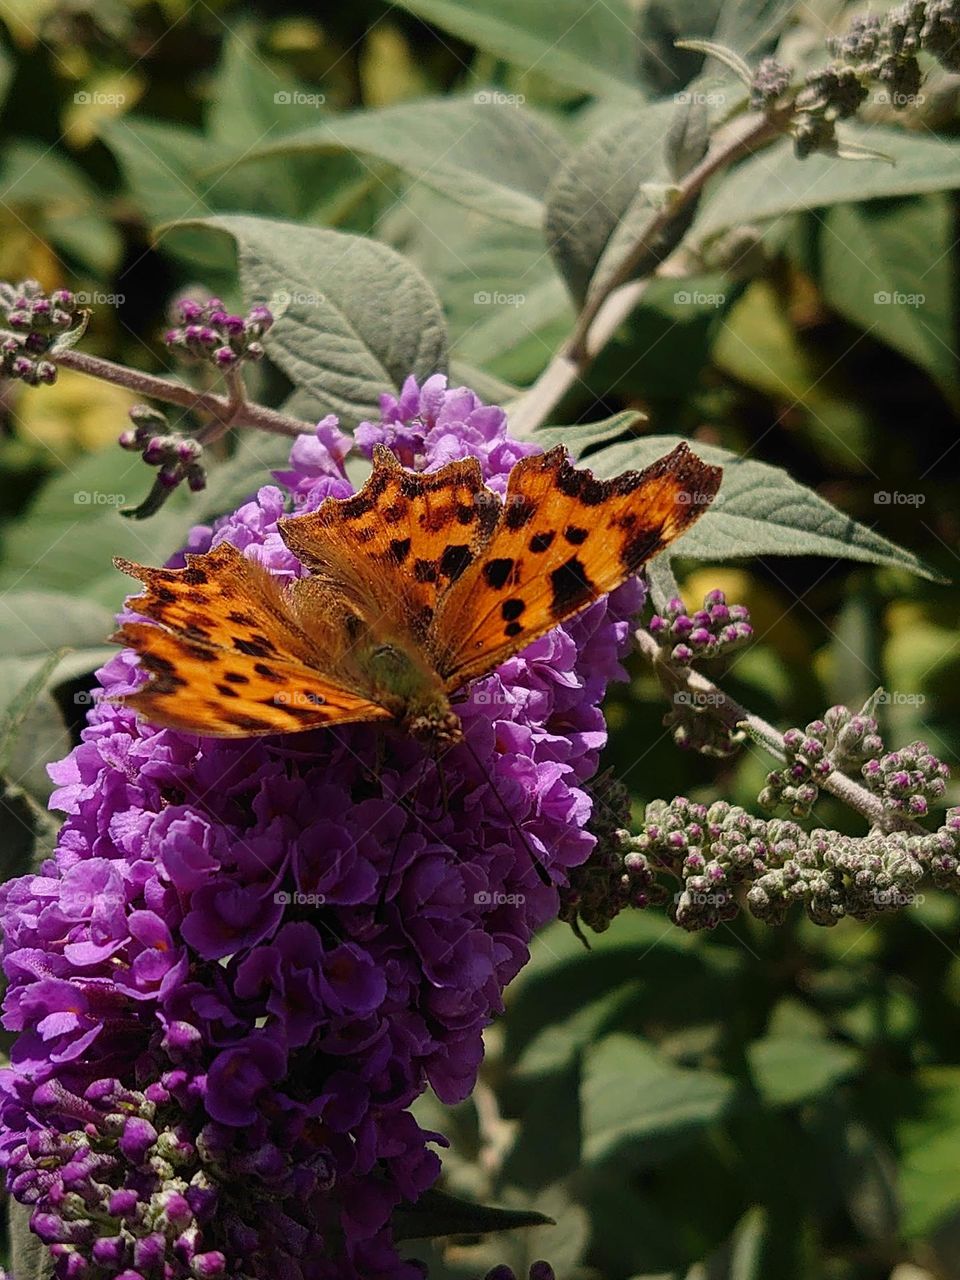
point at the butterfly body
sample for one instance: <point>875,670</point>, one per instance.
<point>415,586</point>
<point>399,681</point>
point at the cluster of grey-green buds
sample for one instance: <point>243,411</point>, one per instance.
<point>616,875</point>
<point>842,740</point>
<point>684,638</point>
<point>907,780</point>
<point>710,862</point>
<point>875,50</point>
<point>176,457</point>
<point>33,322</point>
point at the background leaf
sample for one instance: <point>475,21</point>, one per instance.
<point>359,318</point>
<point>486,153</point>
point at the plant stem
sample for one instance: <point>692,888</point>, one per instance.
<point>232,410</point>
<point>734,716</point>
<point>604,312</point>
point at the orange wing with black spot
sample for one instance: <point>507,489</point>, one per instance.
<point>228,656</point>
<point>562,540</point>
<point>401,541</point>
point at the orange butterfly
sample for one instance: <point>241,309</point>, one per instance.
<point>418,584</point>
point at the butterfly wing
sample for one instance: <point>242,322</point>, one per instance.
<point>562,540</point>
<point>396,545</point>
<point>228,657</point>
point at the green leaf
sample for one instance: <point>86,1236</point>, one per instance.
<point>62,203</point>
<point>585,435</point>
<point>437,1213</point>
<point>592,49</point>
<point>759,345</point>
<point>761,511</point>
<point>774,182</point>
<point>29,1258</point>
<point>67,539</point>
<point>505,305</point>
<point>359,318</point>
<point>889,269</point>
<point>28,832</point>
<point>15,709</point>
<point>928,1141</point>
<point>251,100</point>
<point>164,167</point>
<point>485,153</point>
<point>630,1092</point>
<point>728,57</point>
<point>598,186</point>
<point>791,1068</point>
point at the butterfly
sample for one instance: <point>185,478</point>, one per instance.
<point>418,584</point>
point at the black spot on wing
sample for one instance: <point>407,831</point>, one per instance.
<point>255,647</point>
<point>512,629</point>
<point>236,677</point>
<point>400,549</point>
<point>497,572</point>
<point>425,570</point>
<point>412,485</point>
<point>242,619</point>
<point>510,610</point>
<point>641,547</point>
<point>226,691</point>
<point>541,541</point>
<point>156,663</point>
<point>454,560</point>
<point>268,673</point>
<point>195,577</point>
<point>250,724</point>
<point>571,587</point>
<point>396,511</point>
<point>575,535</point>
<point>518,512</point>
<point>466,514</point>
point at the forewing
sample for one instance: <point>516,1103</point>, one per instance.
<point>562,540</point>
<point>226,656</point>
<point>401,541</point>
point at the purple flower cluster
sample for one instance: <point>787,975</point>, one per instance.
<point>247,958</point>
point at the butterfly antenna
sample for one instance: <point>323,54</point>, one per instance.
<point>540,869</point>
<point>412,807</point>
